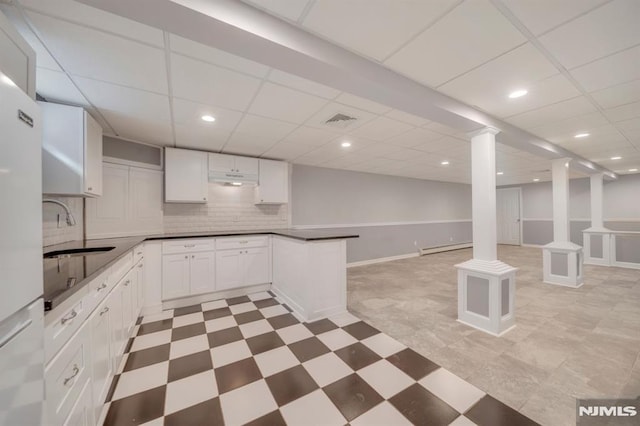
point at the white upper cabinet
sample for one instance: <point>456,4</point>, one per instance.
<point>17,57</point>
<point>233,164</point>
<point>185,176</point>
<point>71,151</point>
<point>232,168</point>
<point>273,186</point>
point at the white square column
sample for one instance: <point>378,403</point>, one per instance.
<point>597,238</point>
<point>486,286</point>
<point>561,259</point>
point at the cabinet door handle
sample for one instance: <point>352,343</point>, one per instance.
<point>243,242</point>
<point>139,253</point>
<point>204,198</point>
<point>104,311</point>
<point>71,316</point>
<point>102,287</point>
<point>140,265</point>
<point>127,282</point>
<point>193,256</point>
<point>90,188</point>
<point>76,371</point>
<point>189,245</point>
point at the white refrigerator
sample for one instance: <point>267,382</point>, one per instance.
<point>21,285</point>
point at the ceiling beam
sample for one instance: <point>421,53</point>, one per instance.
<point>240,29</point>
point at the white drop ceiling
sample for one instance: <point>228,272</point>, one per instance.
<point>579,60</point>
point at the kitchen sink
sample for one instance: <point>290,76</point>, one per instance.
<point>85,251</point>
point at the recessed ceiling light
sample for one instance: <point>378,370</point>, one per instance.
<point>616,158</point>
<point>633,170</point>
<point>445,163</point>
<point>236,183</point>
<point>581,135</point>
<point>517,93</point>
<point>7,80</point>
<point>500,173</point>
<point>536,180</point>
<point>345,144</point>
<point>208,118</point>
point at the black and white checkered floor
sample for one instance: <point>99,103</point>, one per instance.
<point>248,360</point>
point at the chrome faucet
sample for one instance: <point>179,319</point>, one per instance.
<point>71,221</point>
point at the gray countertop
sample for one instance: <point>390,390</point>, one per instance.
<point>65,276</point>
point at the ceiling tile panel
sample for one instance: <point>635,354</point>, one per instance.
<point>283,103</point>
<point>618,95</point>
<point>260,130</point>
<point>199,137</point>
<point>134,114</point>
<point>414,137</point>
<point>488,85</point>
<point>96,18</point>
<point>94,54</point>
<point>603,31</point>
<point>623,112</point>
<point>309,136</point>
<point>288,9</point>
<point>471,34</point>
<point>287,151</point>
<point>381,128</point>
<point>552,113</point>
<point>202,82</point>
<point>302,84</point>
<point>190,114</point>
<point>319,119</point>
<point>57,87</point>
<point>214,56</point>
<point>357,24</point>
<point>542,15</point>
<point>566,129</point>
<point>620,68</point>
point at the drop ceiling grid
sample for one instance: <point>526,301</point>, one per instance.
<point>286,141</point>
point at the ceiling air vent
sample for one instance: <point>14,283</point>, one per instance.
<point>341,121</point>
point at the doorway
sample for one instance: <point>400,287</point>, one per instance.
<point>508,207</point>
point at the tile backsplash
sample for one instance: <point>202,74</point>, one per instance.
<point>228,208</point>
<point>51,233</point>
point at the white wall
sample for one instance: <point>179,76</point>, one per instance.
<point>621,208</point>
<point>394,216</point>
<point>324,196</point>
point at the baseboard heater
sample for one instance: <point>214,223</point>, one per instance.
<point>440,249</point>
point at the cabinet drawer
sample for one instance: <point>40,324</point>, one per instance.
<point>98,289</point>
<point>120,268</point>
<point>138,253</point>
<point>188,246</point>
<point>242,242</point>
<point>66,375</point>
<point>63,327</point>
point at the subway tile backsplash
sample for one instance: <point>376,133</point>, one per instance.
<point>228,208</point>
<point>51,233</point>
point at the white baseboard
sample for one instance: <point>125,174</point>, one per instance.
<point>381,259</point>
<point>409,255</point>
<point>442,249</point>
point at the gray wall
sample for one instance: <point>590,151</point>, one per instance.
<point>382,209</point>
<point>621,208</point>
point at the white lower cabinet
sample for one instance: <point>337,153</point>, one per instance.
<point>102,361</point>
<point>239,268</point>
<point>188,274</point>
<point>66,375</point>
<point>82,413</point>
